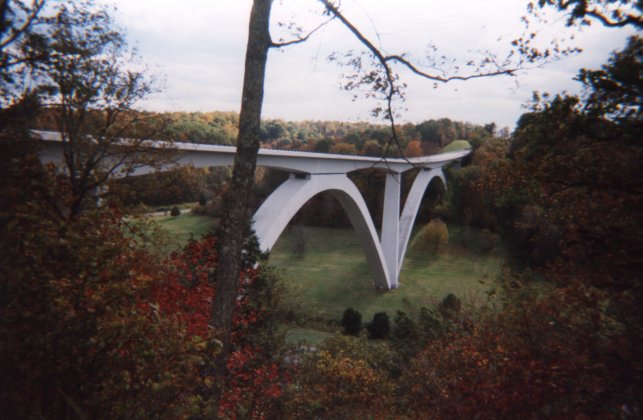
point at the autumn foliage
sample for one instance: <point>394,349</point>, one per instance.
<point>433,237</point>
<point>344,379</point>
<point>556,356</point>
<point>78,336</point>
<point>94,325</point>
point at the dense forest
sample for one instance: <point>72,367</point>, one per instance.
<point>97,321</point>
<point>316,136</point>
<point>326,136</point>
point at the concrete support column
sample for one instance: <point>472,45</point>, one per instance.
<point>391,226</point>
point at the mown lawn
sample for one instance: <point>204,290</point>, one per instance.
<point>333,275</point>
<point>180,229</point>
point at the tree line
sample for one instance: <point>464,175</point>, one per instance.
<point>359,138</point>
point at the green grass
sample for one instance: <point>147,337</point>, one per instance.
<point>181,228</point>
<point>333,275</point>
<point>456,145</point>
<point>310,336</point>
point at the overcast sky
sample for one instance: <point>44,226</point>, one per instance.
<point>198,47</point>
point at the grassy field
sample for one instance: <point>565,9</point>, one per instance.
<point>181,228</point>
<point>313,337</point>
<point>333,275</point>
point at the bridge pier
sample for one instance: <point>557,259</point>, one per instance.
<point>391,226</point>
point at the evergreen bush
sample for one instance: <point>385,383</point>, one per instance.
<point>450,306</point>
<point>380,327</point>
<point>351,322</point>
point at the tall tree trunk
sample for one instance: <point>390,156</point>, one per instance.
<point>236,212</point>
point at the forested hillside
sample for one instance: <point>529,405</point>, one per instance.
<point>357,138</point>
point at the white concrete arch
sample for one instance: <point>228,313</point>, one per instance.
<point>315,173</point>
<point>411,207</point>
<point>281,206</point>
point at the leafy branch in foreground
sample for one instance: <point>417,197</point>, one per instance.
<point>610,13</point>
<point>90,82</point>
<point>374,76</point>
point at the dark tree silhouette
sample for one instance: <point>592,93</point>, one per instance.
<point>380,327</point>
<point>351,322</point>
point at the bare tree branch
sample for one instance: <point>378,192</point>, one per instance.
<point>392,88</point>
<point>36,7</point>
<point>414,69</point>
<point>384,59</point>
<point>629,20</point>
<point>611,14</point>
<point>300,39</point>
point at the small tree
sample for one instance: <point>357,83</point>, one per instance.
<point>434,236</point>
<point>380,327</point>
<point>430,325</point>
<point>405,328</point>
<point>89,81</point>
<point>202,200</point>
<point>450,306</point>
<point>351,322</point>
<point>175,211</point>
<point>405,336</point>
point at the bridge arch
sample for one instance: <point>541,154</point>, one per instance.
<point>280,207</point>
<point>412,205</point>
<point>311,174</point>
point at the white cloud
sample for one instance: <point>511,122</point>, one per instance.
<point>200,46</point>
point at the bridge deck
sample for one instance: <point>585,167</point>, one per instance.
<point>324,172</point>
<point>204,155</point>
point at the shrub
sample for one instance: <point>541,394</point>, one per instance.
<point>202,200</point>
<point>450,306</point>
<point>351,322</point>
<point>430,326</point>
<point>342,379</point>
<point>211,208</point>
<point>434,236</point>
<point>405,337</point>
<point>175,211</point>
<point>547,354</point>
<point>380,327</point>
<point>405,328</point>
<point>487,240</point>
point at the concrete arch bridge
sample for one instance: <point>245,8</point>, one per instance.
<point>311,174</point>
